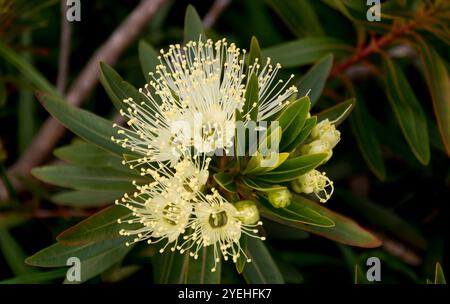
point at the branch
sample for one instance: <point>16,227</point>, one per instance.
<point>109,52</point>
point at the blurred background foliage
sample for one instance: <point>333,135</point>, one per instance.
<point>391,169</point>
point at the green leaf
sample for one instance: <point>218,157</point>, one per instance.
<point>255,51</point>
<point>85,198</point>
<point>439,277</point>
<point>148,58</point>
<point>391,222</point>
<point>13,253</point>
<point>40,277</point>
<point>304,133</point>
<point>81,178</point>
<point>226,181</point>
<point>199,271</point>
<point>27,70</point>
<point>291,112</point>
<point>291,133</point>
<point>254,166</point>
<point>262,269</point>
<point>169,268</point>
<point>293,168</point>
<point>314,80</point>
<point>98,227</point>
<point>408,111</point>
<point>251,105</point>
<point>95,257</point>
<point>261,186</point>
<point>88,155</point>
<point>89,126</point>
<point>305,51</point>
<point>366,137</point>
<point>345,231</point>
<point>296,212</point>
<point>337,113</point>
<point>299,16</point>
<point>438,81</point>
<point>193,26</point>
<point>117,88</point>
<point>241,261</point>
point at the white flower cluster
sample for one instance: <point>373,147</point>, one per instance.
<point>201,81</point>
<point>323,138</point>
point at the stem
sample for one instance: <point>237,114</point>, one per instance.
<point>12,193</point>
<point>373,46</point>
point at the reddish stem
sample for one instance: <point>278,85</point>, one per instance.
<point>373,46</point>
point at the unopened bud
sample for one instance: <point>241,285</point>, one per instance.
<point>248,211</point>
<point>317,146</point>
<point>326,131</point>
<point>280,198</point>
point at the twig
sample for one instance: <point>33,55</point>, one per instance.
<point>109,52</point>
<point>64,50</point>
<point>373,46</point>
<point>214,12</point>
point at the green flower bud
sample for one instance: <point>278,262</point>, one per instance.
<point>326,131</point>
<point>280,198</point>
<point>248,212</point>
<point>317,146</point>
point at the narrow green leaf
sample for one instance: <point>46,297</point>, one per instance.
<point>313,82</point>
<point>262,269</point>
<point>89,126</point>
<point>89,155</point>
<point>366,137</point>
<point>255,167</point>
<point>13,253</point>
<point>439,277</point>
<point>296,212</point>
<point>95,257</point>
<point>408,111</point>
<point>438,80</point>
<point>251,104</point>
<point>170,267</point>
<point>148,58</point>
<point>290,113</point>
<point>98,227</point>
<point>255,51</point>
<point>80,178</point>
<point>193,26</point>
<point>295,128</point>
<point>27,70</point>
<point>241,261</point>
<point>391,222</point>
<point>117,88</point>
<point>304,133</point>
<point>345,231</point>
<point>305,51</point>
<point>198,271</point>
<point>292,168</point>
<point>337,113</point>
<point>299,16</point>
<point>261,186</point>
<point>226,181</point>
<point>40,277</point>
<point>85,198</point>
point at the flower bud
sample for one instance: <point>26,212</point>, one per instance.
<point>248,212</point>
<point>314,182</point>
<point>317,146</point>
<point>280,198</point>
<point>326,131</point>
